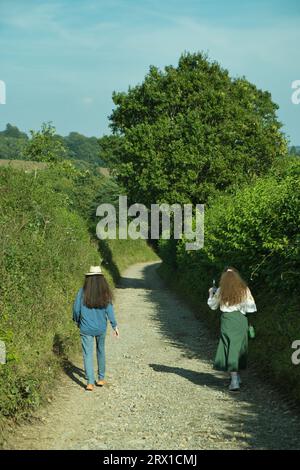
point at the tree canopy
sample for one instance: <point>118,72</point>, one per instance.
<point>191,131</point>
<point>13,131</point>
<point>82,148</point>
<point>12,142</point>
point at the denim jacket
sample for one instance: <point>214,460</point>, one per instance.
<point>92,321</point>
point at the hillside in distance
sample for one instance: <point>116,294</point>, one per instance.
<point>78,147</point>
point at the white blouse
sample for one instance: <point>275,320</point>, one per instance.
<point>247,306</point>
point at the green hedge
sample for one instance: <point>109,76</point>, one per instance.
<point>45,247</point>
<point>257,231</point>
<point>44,250</point>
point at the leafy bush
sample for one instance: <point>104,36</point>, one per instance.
<point>45,248</point>
<point>45,145</point>
<point>257,231</point>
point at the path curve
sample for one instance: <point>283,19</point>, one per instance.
<point>162,392</point>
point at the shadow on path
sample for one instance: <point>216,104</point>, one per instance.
<point>266,420</point>
<point>197,378</point>
<point>72,371</point>
<point>75,373</point>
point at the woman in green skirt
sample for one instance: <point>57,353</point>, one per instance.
<point>235,300</point>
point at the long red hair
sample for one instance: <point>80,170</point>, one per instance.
<point>233,289</point>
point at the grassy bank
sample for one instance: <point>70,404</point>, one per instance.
<point>45,248</point>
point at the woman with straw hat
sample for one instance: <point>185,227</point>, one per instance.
<point>92,307</point>
<point>235,301</point>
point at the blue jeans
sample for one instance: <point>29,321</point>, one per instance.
<point>87,343</point>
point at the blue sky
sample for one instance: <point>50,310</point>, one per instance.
<point>62,59</point>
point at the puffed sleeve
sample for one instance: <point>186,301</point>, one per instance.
<point>250,305</point>
<point>214,300</point>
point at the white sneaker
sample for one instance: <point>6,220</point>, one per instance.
<point>234,384</point>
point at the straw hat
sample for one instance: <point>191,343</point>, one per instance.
<point>94,270</point>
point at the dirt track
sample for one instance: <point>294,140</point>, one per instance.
<point>162,392</point>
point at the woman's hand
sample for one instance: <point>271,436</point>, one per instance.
<point>116,332</point>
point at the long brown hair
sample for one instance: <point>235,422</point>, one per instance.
<point>233,289</point>
<point>97,293</point>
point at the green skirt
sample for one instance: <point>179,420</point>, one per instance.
<point>232,350</point>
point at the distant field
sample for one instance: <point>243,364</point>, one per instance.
<point>23,164</point>
<point>32,166</point>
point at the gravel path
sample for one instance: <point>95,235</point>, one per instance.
<point>162,392</point>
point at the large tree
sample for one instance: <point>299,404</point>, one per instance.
<point>192,130</point>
